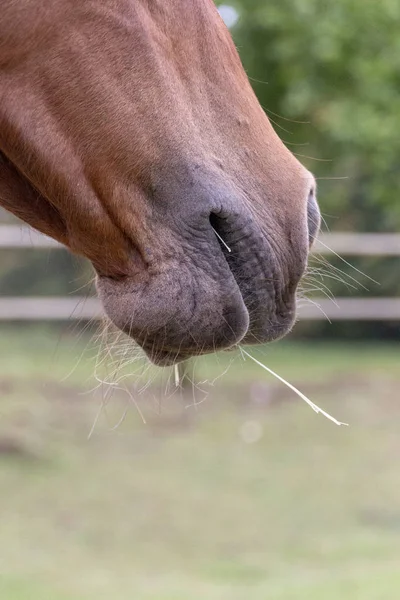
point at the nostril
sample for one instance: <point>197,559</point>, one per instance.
<point>215,222</point>
<point>313,216</point>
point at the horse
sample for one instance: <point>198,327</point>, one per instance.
<point>130,133</point>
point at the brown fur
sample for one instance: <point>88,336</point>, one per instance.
<point>125,124</point>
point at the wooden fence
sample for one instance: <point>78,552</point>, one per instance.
<point>60,309</point>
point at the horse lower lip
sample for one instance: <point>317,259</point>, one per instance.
<point>163,358</point>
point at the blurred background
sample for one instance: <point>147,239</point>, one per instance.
<point>117,483</point>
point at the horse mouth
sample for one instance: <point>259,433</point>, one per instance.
<point>225,290</point>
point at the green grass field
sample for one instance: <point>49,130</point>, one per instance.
<point>247,494</point>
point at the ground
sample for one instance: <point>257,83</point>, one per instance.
<point>248,495</point>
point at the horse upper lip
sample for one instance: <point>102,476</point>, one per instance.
<point>254,266</point>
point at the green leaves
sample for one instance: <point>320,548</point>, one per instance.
<point>337,65</point>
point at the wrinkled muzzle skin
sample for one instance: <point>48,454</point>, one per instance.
<point>130,133</point>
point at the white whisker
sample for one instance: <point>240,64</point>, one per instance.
<point>347,263</point>
<point>97,417</point>
<point>222,241</point>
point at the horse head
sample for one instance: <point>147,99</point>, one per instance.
<point>129,132</point>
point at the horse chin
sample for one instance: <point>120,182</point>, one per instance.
<point>178,313</point>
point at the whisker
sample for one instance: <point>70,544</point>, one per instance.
<point>212,383</point>
<point>122,419</point>
<point>316,286</point>
<point>102,406</point>
<point>295,144</point>
<point>221,240</point>
<point>347,263</point>
<point>339,272</point>
<point>333,178</point>
<point>134,402</point>
<point>313,157</point>
<point>287,118</point>
<point>96,419</point>
<point>310,290</point>
<point>310,301</point>
<point>258,80</point>
<point>280,126</point>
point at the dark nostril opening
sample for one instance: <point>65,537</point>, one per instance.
<point>216,221</point>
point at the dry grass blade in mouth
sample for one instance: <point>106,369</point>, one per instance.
<point>315,408</point>
<point>177,376</point>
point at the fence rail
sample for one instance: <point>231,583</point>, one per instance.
<point>60,309</point>
<point>355,244</point>
<point>84,309</point>
<point>14,236</point>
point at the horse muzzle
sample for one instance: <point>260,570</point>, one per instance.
<point>214,283</point>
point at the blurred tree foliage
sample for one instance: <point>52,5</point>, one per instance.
<point>336,65</point>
